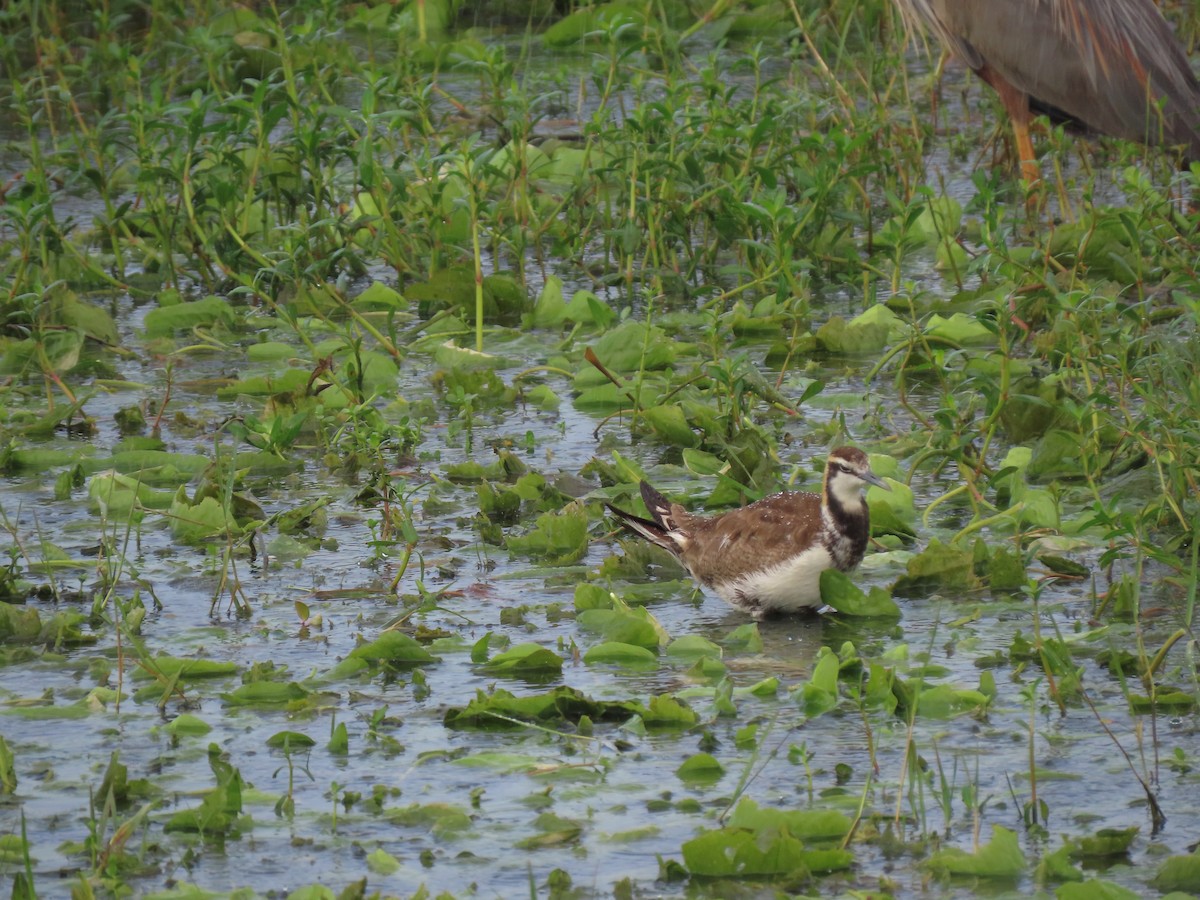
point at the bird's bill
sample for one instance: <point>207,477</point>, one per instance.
<point>871,478</point>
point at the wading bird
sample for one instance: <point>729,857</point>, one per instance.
<point>768,557</point>
<point>1111,66</point>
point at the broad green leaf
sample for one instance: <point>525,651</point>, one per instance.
<point>164,666</point>
<point>1095,889</point>
<point>744,638</point>
<point>743,853</point>
<point>999,858</point>
<point>700,768</point>
<point>1179,873</point>
<point>559,538</point>
<point>553,831</point>
<point>290,740</point>
<point>939,567</point>
<point>381,862</point>
<point>691,646</point>
<point>186,723</point>
<point>394,648</point>
<point>838,591</point>
<point>210,312</point>
<point>623,625</point>
<point>664,711</point>
<point>441,819</point>
<point>265,694</point>
<point>805,824</point>
<point>1105,842</point>
<point>525,659</point>
<point>671,425</point>
<point>620,654</point>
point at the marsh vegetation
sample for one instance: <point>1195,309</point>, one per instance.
<point>326,330</point>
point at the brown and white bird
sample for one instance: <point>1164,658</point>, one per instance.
<point>768,557</point>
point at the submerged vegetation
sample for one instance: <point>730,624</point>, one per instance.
<point>326,332</point>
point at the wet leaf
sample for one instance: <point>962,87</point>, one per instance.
<point>620,654</point>
<point>186,723</point>
<point>692,646</point>
<point>939,567</point>
<point>8,772</point>
<point>525,659</point>
<point>290,740</point>
<point>820,692</point>
<point>394,648</point>
<point>664,711</point>
<point>441,819</point>
<point>265,694</point>
<point>1179,873</point>
<point>499,761</point>
<point>553,831</point>
<point>807,824</point>
<point>744,853</point>
<point>744,638</point>
<point>1095,889</point>
<point>839,336</point>
<point>559,538</point>
<point>381,862</point>
<point>623,625</point>
<point>999,858</point>
<point>671,425</point>
<point>210,312</point>
<point>169,667</point>
<point>1105,842</point>
<point>700,768</point>
<point>838,591</point>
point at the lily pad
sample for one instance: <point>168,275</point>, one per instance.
<point>999,858</point>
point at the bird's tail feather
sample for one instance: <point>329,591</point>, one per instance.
<point>659,506</point>
<point>651,531</point>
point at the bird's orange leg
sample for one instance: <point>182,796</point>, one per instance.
<point>1016,104</point>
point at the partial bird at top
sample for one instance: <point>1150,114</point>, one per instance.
<point>1112,66</point>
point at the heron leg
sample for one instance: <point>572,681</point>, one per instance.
<point>1016,104</point>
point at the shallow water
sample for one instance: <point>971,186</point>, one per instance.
<point>620,789</point>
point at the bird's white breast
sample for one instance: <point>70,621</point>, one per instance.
<point>787,587</point>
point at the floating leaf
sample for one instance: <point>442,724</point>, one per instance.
<point>838,591</point>
<point>743,853</point>
<point>806,824</point>
<point>939,567</point>
<point>265,694</point>
<point>1104,843</point>
<point>623,625</point>
<point>1095,889</point>
<point>441,819</point>
<point>381,862</point>
<point>700,768</point>
<point>620,654</point>
<point>559,538</point>
<point>186,723</point>
<point>290,740</point>
<point>525,659</point>
<point>1000,858</point>
<point>692,646</point>
<point>553,831</point>
<point>394,648</point>
<point>209,312</point>
<point>1179,873</point>
<point>744,638</point>
<point>164,666</point>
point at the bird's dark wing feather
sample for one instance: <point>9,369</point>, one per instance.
<point>1105,63</point>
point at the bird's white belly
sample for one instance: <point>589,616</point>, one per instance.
<point>784,588</point>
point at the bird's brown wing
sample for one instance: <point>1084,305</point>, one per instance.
<point>1105,63</point>
<point>757,536</point>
